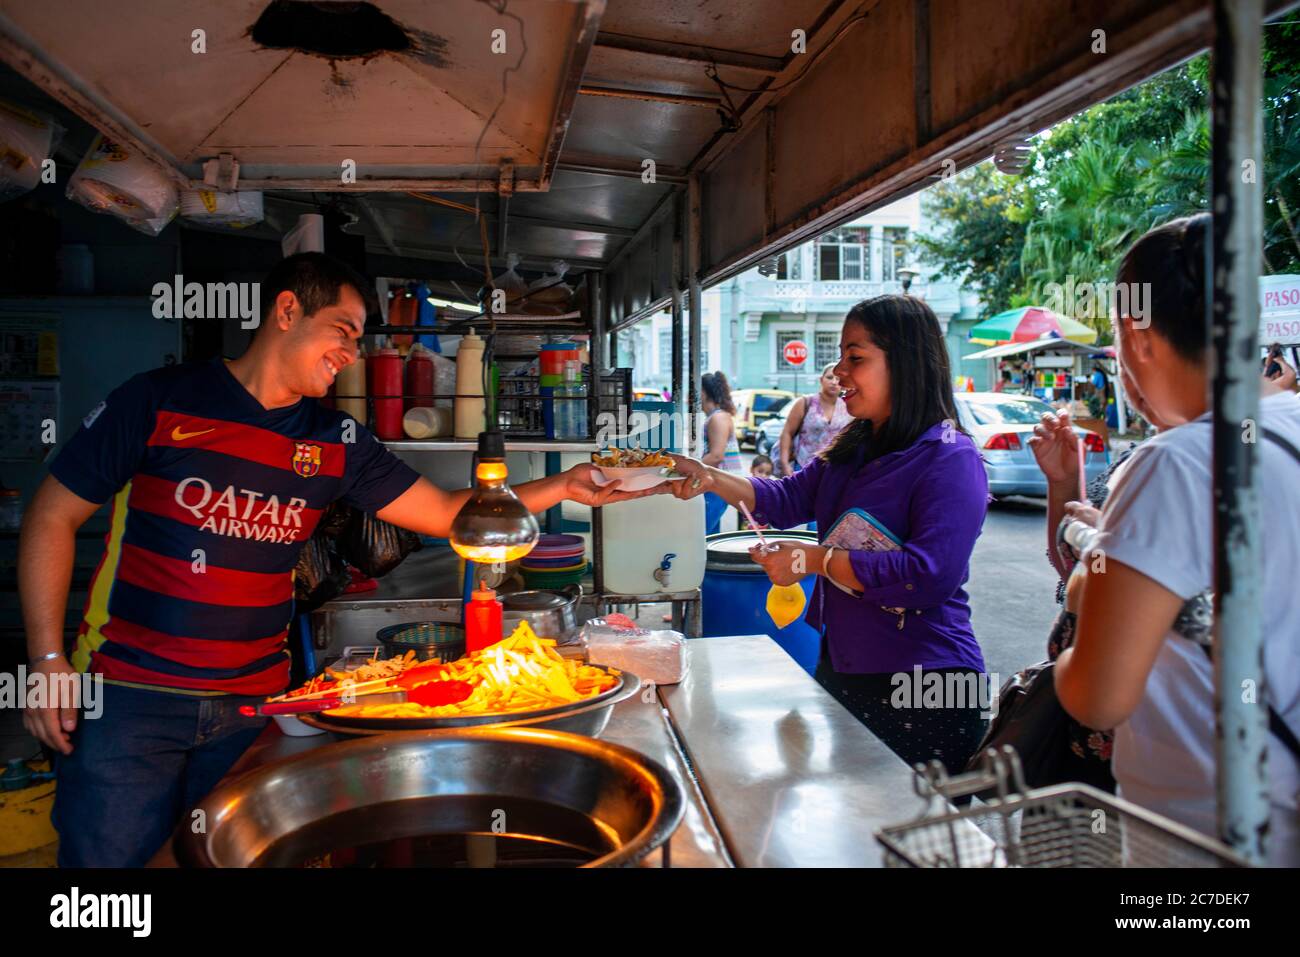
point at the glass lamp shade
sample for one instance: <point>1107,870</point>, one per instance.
<point>493,527</point>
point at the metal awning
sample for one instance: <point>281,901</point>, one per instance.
<point>1051,343</point>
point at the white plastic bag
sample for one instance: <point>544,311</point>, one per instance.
<point>510,282</point>
<point>27,139</point>
<point>653,656</point>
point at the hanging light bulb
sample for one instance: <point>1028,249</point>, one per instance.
<point>493,527</point>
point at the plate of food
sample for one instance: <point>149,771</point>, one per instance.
<point>633,469</point>
<point>522,678</point>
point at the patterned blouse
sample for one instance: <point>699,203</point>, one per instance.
<point>816,431</point>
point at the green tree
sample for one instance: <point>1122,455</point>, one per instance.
<point>981,233</point>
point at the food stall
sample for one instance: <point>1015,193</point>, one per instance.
<point>597,132</point>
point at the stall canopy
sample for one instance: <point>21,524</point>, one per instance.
<point>598,131</point>
<point>1046,344</point>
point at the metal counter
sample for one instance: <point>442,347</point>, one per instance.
<point>792,778</point>
<point>775,771</point>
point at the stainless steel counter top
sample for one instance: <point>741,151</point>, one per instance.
<point>791,777</point>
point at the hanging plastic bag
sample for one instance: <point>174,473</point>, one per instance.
<point>27,139</point>
<point>511,283</point>
<point>320,574</point>
<point>373,545</point>
<point>551,295</point>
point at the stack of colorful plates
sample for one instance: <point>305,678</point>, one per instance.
<point>555,561</point>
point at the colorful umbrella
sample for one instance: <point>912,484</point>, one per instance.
<point>1029,323</point>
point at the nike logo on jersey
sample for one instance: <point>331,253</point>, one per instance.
<point>179,436</point>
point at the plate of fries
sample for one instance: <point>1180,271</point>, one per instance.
<point>521,678</point>
<point>633,469</point>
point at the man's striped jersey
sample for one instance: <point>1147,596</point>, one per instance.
<point>213,499</point>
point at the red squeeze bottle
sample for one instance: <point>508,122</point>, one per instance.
<point>419,378</point>
<point>385,370</point>
<point>482,620</point>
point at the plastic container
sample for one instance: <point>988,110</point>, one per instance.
<point>403,310</point>
<point>638,537</point>
<point>428,639</point>
<point>426,422</point>
<point>419,378</point>
<point>351,381</point>
<point>384,373</point>
<point>482,620</point>
<point>734,593</point>
<point>11,509</point>
<point>471,409</point>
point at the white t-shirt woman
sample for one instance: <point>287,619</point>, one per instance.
<point>1158,521</point>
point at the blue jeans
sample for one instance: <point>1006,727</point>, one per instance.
<point>139,768</point>
<point>715,506</point>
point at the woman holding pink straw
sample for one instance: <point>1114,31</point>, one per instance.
<point>894,618</point>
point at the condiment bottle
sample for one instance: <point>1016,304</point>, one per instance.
<point>350,389</point>
<point>470,407</point>
<point>419,377</point>
<point>482,619</point>
<point>386,388</point>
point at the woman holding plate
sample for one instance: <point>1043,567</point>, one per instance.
<point>901,493</point>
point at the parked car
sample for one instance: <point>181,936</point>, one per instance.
<point>768,440</point>
<point>1001,423</point>
<point>754,407</point>
<point>648,395</point>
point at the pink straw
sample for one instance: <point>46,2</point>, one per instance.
<point>752,524</point>
<point>1083,481</point>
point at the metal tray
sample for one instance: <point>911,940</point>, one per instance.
<point>587,717</point>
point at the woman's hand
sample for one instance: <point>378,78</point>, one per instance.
<point>784,562</point>
<point>699,478</point>
<point>1056,448</point>
<point>1083,512</point>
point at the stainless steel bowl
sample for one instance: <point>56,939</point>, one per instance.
<point>589,717</point>
<point>481,797</point>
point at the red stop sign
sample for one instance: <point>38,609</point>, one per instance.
<point>796,352</point>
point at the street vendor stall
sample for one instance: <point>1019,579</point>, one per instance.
<point>545,173</point>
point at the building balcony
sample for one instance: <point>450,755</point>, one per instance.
<point>758,294</point>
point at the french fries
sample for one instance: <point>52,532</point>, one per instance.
<point>631,459</point>
<point>520,673</point>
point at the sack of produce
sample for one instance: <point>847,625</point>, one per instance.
<point>373,545</point>
<point>27,139</point>
<point>616,642</point>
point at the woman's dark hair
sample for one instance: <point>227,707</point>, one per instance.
<point>920,380</point>
<point>1164,273</point>
<point>719,392</point>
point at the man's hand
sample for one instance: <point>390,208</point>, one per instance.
<point>579,487</point>
<point>1283,381</point>
<point>1083,512</point>
<point>53,726</point>
<point>1056,447</point>
<point>786,564</point>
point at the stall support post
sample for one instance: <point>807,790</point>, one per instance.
<point>597,353</point>
<point>1235,254</point>
<point>678,303</point>
<point>694,250</point>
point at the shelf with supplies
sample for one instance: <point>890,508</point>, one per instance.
<point>470,445</point>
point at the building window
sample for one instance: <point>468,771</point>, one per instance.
<point>896,247</point>
<point>782,337</point>
<point>665,352</point>
<point>842,254</point>
<point>789,265</point>
<point>827,350</point>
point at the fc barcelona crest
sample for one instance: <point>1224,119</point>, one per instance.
<point>306,459</point>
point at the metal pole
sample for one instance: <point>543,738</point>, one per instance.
<point>678,333</point>
<point>694,254</point>
<point>1241,728</point>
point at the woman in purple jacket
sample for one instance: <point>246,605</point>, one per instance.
<point>897,645</point>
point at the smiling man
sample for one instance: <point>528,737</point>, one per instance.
<point>218,472</point>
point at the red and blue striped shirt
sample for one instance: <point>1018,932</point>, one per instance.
<point>214,497</point>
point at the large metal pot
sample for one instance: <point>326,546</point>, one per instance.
<point>552,614</point>
<point>488,797</point>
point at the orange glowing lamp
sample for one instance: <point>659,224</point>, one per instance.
<point>493,527</point>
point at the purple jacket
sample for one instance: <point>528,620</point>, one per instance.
<point>932,496</point>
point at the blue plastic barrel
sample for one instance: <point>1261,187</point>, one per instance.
<point>734,594</point>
